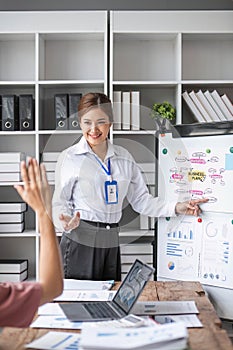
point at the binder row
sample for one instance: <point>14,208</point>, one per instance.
<point>126,106</point>
<point>13,270</point>
<point>66,111</point>
<point>12,217</point>
<point>50,160</point>
<point>209,106</point>
<point>10,166</point>
<point>17,112</point>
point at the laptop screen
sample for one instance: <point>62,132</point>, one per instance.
<point>133,285</point>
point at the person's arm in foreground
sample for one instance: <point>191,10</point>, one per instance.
<point>36,193</point>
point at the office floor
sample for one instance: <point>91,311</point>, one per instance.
<point>228,326</point>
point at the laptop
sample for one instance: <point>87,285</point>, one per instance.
<point>123,301</point>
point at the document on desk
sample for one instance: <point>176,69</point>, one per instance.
<point>50,309</point>
<point>168,336</point>
<point>87,284</point>
<point>86,295</point>
<point>56,341</point>
<point>190,321</point>
<point>55,322</point>
<point>164,308</point>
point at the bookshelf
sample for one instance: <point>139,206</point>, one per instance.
<point>161,54</point>
<point>43,54</point>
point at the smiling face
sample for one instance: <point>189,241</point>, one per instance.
<point>95,126</point>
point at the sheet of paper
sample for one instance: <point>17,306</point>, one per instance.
<point>50,309</point>
<point>129,321</point>
<point>164,308</point>
<point>190,321</point>
<point>140,338</point>
<point>87,284</point>
<point>86,295</point>
<point>55,322</point>
<point>56,341</point>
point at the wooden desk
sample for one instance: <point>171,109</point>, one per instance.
<point>210,337</point>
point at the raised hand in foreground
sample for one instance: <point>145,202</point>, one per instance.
<point>36,192</point>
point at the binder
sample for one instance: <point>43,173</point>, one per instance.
<point>203,99</point>
<point>135,110</point>
<point>11,217</point>
<point>227,114</point>
<point>214,105</point>
<point>126,110</point>
<point>14,277</point>
<point>198,104</point>
<point>10,116</point>
<point>26,113</point>
<point>13,265</point>
<point>13,207</point>
<point>50,156</point>
<point>117,110</point>
<point>73,100</point>
<point>7,177</point>
<point>199,117</point>
<point>12,227</point>
<point>9,167</point>
<point>61,111</point>
<point>12,157</point>
<point>227,102</point>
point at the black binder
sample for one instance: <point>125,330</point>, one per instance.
<point>10,116</point>
<point>61,111</point>
<point>26,112</point>
<point>73,111</point>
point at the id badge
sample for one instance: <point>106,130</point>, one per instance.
<point>111,192</point>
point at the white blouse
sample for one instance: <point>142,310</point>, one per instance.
<point>80,186</point>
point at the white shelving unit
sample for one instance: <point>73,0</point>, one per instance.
<point>161,54</point>
<point>43,54</point>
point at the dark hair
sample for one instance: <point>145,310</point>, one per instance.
<point>95,100</point>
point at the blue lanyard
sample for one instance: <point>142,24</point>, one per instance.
<point>107,171</point>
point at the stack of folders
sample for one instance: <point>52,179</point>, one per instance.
<point>209,106</point>
<point>12,217</point>
<point>13,270</point>
<point>66,111</point>
<point>50,160</point>
<point>10,166</point>
<point>126,108</point>
<point>148,171</point>
<point>18,112</point>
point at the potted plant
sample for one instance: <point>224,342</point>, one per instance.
<point>162,112</point>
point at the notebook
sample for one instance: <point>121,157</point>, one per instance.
<point>123,301</point>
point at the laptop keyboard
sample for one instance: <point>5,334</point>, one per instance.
<point>100,310</point>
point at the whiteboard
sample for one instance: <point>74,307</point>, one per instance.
<point>198,250</point>
<point>197,167</point>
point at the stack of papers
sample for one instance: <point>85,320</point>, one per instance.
<point>85,290</point>
<point>170,311</point>
<point>171,336</point>
<point>72,284</point>
<point>164,337</point>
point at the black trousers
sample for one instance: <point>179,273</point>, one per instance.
<point>91,252</point>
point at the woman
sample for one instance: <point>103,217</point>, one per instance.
<point>93,177</point>
<point>19,301</point>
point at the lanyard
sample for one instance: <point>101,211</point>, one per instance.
<point>108,170</point>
